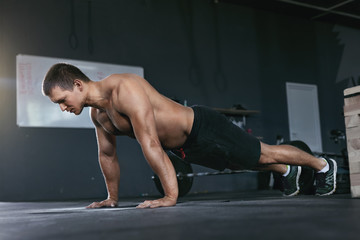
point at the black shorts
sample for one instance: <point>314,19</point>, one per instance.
<point>215,142</point>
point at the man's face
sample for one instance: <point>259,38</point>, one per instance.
<point>70,101</point>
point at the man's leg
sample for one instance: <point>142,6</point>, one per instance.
<point>279,168</point>
<point>289,155</point>
<point>290,176</point>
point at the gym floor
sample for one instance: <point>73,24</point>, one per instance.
<point>240,215</point>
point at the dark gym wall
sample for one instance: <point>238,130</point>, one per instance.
<point>301,51</point>
<point>256,52</point>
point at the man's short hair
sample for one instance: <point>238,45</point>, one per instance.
<point>63,76</point>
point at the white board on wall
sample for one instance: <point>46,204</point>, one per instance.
<point>303,112</point>
<point>35,110</point>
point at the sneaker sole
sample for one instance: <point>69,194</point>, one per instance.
<point>335,172</point>
<point>297,184</point>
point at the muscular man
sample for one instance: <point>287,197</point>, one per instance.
<point>126,104</point>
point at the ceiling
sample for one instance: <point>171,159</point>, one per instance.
<point>344,12</point>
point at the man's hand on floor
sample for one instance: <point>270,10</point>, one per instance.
<point>106,203</point>
<point>162,202</point>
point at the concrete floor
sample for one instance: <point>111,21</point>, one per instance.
<point>247,215</point>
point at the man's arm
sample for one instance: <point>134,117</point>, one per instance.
<point>137,106</point>
<point>109,164</point>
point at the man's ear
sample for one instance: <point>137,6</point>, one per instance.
<point>78,83</point>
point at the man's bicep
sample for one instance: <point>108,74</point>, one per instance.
<point>144,125</point>
<point>106,142</point>
<point>141,113</point>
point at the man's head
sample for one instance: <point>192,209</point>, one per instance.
<point>63,76</point>
<point>64,85</point>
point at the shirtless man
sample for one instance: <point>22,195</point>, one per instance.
<point>126,104</point>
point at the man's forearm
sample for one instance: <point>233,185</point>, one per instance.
<point>168,179</point>
<point>111,171</point>
<point>162,166</point>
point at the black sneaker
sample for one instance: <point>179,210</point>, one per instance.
<point>291,181</point>
<point>325,183</point>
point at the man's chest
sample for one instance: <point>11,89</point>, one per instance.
<point>115,123</point>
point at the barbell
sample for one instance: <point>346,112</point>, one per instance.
<point>185,175</point>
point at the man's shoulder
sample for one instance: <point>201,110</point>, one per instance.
<point>114,81</point>
<point>93,115</point>
<point>94,112</point>
<point>122,77</point>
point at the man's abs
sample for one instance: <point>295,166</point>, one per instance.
<point>174,125</point>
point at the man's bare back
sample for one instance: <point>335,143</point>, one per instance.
<point>173,121</point>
